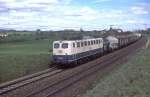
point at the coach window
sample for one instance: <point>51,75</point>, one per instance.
<point>78,44</point>
<point>65,45</point>
<point>81,44</point>
<point>56,45</point>
<point>88,42</point>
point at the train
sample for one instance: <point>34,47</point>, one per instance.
<point>73,52</point>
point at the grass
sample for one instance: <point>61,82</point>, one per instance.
<point>22,58</point>
<point>132,79</point>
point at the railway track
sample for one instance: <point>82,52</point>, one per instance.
<point>61,82</point>
<point>56,87</point>
<point>10,86</point>
<point>69,81</point>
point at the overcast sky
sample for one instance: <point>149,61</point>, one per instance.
<point>63,14</point>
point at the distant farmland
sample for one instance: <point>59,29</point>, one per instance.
<point>22,58</point>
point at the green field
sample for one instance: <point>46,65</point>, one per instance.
<point>22,58</point>
<point>132,79</point>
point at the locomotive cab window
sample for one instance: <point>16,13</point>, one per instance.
<point>56,45</point>
<point>65,45</point>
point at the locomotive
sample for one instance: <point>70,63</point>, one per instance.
<point>72,52</point>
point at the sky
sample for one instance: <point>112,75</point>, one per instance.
<point>74,14</point>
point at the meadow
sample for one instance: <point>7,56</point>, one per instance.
<point>131,79</point>
<point>24,53</point>
<point>22,58</point>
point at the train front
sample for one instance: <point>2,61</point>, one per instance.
<point>61,52</point>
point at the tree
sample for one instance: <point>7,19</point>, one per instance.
<point>81,30</point>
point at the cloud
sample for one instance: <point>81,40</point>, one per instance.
<point>112,14</point>
<point>61,14</point>
<point>99,1</point>
<point>60,17</point>
<point>138,21</point>
<point>7,1</point>
<point>132,21</point>
<point>42,1</point>
<point>139,10</point>
<point>85,13</point>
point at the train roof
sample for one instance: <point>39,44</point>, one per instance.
<point>78,40</point>
<point>111,38</point>
<point>125,35</point>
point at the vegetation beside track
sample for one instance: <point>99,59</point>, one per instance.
<point>22,58</point>
<point>23,53</point>
<point>26,52</point>
<point>131,79</point>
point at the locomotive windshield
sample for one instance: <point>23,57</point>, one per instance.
<point>65,45</point>
<point>56,45</point>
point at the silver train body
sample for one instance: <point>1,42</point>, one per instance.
<point>68,52</point>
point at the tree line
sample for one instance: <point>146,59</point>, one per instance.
<point>19,36</point>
